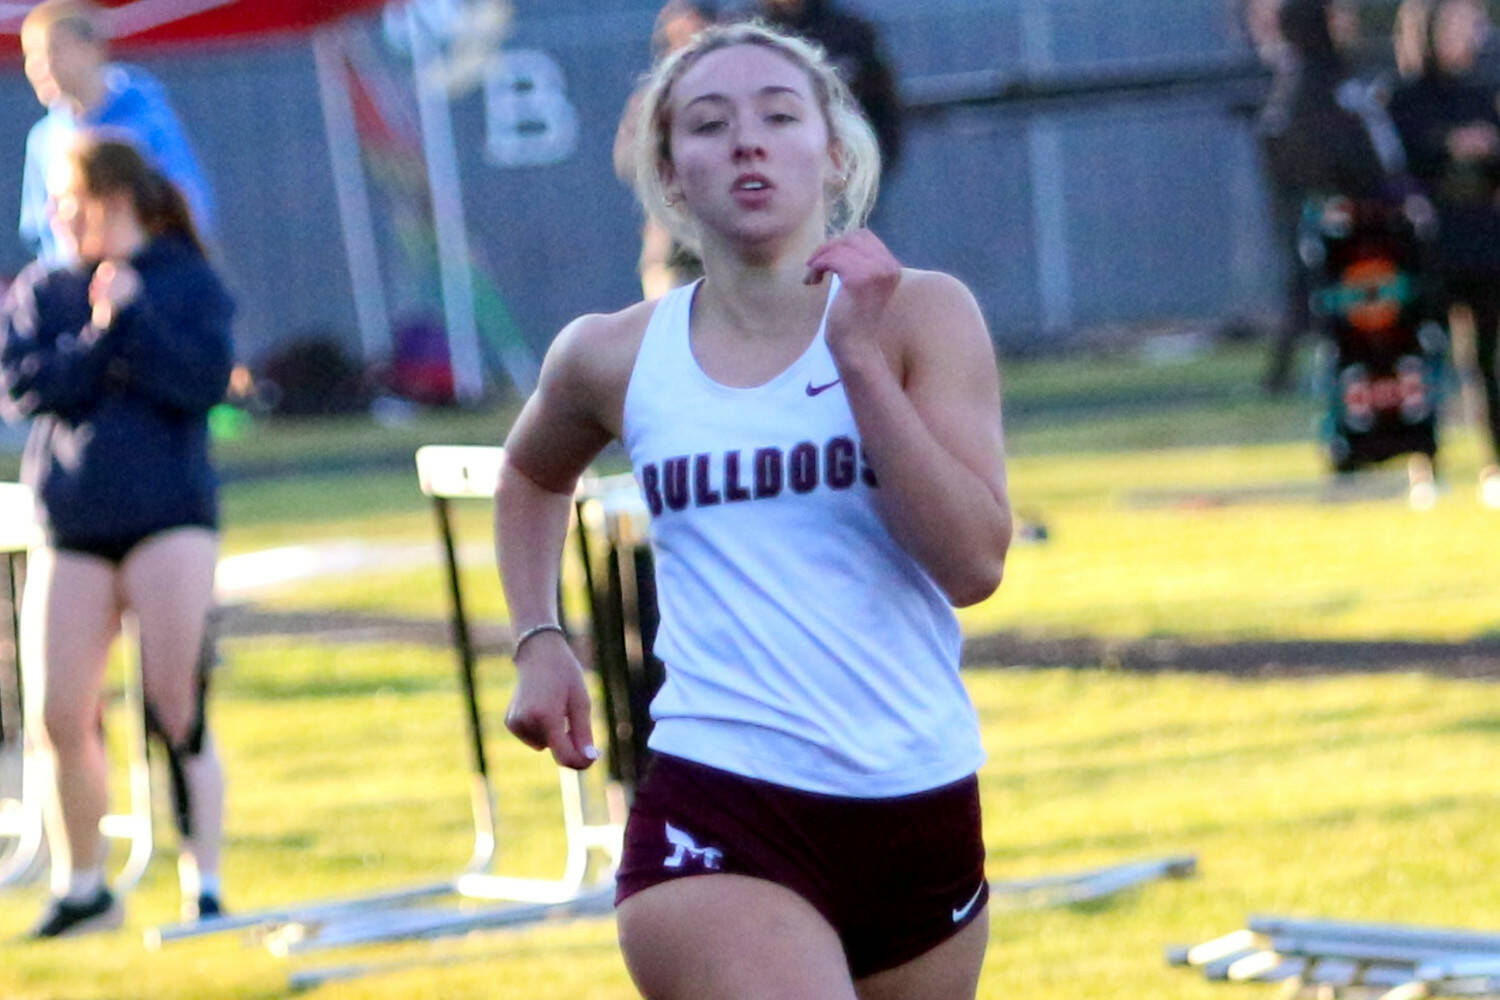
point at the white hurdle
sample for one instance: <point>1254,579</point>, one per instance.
<point>448,473</point>
<point>24,775</point>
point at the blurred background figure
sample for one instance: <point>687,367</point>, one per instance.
<point>1260,21</point>
<point>116,361</point>
<point>1322,132</point>
<point>1446,114</point>
<point>66,49</point>
<point>664,263</point>
<point>854,48</point>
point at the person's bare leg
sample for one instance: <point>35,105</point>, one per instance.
<point>948,972</point>
<point>731,938</point>
<point>204,776</point>
<point>69,617</point>
<point>168,584</point>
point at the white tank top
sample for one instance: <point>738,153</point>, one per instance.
<point>803,645</point>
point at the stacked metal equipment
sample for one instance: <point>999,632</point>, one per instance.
<point>1331,958</point>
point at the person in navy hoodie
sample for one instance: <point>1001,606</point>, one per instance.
<point>66,44</point>
<point>116,361</point>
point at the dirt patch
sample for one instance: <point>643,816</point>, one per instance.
<point>1245,658</point>
<point>1248,658</point>
<point>247,620</point>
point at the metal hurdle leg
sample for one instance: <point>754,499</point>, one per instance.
<point>28,777</point>
<point>20,779</point>
<point>302,920</point>
<point>136,826</point>
<point>445,474</point>
<point>587,886</point>
<point>582,837</point>
<point>1071,888</point>
<point>20,812</point>
<point>21,818</point>
<point>10,650</point>
<point>482,793</point>
<point>620,579</point>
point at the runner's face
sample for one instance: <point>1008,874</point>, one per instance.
<point>750,146</point>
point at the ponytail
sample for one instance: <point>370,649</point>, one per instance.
<point>165,211</point>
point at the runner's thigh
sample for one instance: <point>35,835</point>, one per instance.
<point>730,937</point>
<point>949,971</point>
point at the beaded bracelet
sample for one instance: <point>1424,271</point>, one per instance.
<point>535,630</point>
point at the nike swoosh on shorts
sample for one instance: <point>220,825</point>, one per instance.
<point>960,912</point>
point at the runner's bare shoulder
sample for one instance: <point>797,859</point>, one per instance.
<point>590,362</point>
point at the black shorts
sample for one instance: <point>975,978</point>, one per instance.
<point>894,877</point>
<point>114,550</point>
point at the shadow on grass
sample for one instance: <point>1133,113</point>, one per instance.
<point>272,842</point>
<point>1146,736</point>
<point>289,689</point>
<point>1478,658</point>
<point>340,626</point>
<point>1485,725</point>
<point>1073,778</point>
<point>1106,904</point>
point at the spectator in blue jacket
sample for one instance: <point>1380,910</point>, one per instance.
<point>66,50</point>
<point>116,361</point>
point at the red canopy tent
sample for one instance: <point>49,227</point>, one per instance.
<point>139,23</point>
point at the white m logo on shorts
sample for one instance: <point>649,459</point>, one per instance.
<point>686,848</point>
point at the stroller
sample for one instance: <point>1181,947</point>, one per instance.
<point>1386,339</point>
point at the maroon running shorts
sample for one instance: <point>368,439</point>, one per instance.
<point>895,877</point>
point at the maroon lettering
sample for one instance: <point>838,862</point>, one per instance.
<point>684,481</point>
<point>802,471</point>
<point>733,491</point>
<point>839,465</point>
<point>704,495</point>
<point>675,485</point>
<point>651,487</point>
<point>767,472</point>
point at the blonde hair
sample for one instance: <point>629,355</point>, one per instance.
<point>849,203</point>
<point>83,18</point>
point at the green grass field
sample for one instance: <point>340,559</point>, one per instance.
<point>1180,507</point>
